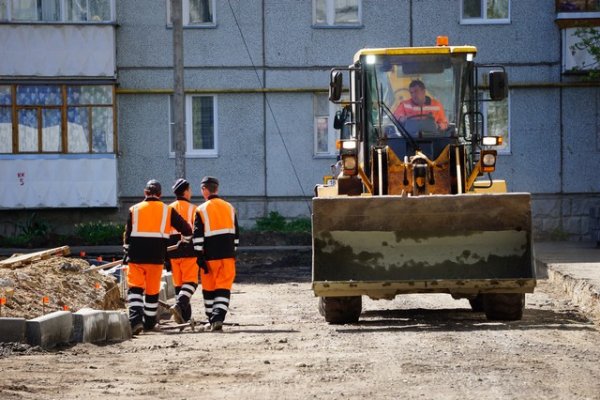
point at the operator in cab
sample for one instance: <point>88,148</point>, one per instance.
<point>421,107</point>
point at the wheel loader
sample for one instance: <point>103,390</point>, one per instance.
<point>411,206</point>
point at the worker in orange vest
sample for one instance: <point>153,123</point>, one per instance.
<point>216,237</point>
<point>145,242</point>
<point>184,264</point>
<point>420,105</point>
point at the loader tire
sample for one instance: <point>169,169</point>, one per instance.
<point>340,310</point>
<point>504,306</point>
<point>477,303</point>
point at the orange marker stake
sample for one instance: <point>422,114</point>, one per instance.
<point>65,307</point>
<point>98,286</point>
<point>2,302</point>
<point>45,300</point>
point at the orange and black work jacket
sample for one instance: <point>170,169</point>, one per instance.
<point>216,234</point>
<point>187,211</point>
<point>148,228</point>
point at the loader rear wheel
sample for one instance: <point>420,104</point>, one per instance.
<point>504,306</point>
<point>340,310</point>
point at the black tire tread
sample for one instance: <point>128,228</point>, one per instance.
<point>504,306</point>
<point>340,310</point>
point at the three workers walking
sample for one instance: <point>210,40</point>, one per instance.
<point>152,225</point>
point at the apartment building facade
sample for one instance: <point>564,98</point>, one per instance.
<point>86,90</point>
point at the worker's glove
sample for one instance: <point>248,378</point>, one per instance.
<point>202,265</point>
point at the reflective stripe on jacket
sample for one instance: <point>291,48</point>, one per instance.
<point>148,228</point>
<point>408,109</point>
<point>216,232</point>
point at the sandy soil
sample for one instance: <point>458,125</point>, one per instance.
<point>416,346</point>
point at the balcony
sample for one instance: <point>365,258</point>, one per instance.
<point>576,13</point>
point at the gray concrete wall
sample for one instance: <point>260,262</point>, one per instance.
<point>265,155</point>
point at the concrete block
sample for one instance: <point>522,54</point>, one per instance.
<point>89,326</point>
<point>118,327</point>
<point>169,287</point>
<point>162,295</point>
<point>49,330</point>
<point>12,330</point>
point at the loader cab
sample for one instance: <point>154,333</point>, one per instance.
<point>413,97</point>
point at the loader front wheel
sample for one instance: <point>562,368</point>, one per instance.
<point>340,310</point>
<point>504,306</point>
<point>477,303</point>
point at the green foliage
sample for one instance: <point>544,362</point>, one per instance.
<point>590,42</point>
<point>100,233</point>
<point>275,222</point>
<point>32,232</point>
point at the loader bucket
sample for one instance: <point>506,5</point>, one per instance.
<point>427,239</point>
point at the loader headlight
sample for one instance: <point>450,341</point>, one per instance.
<point>488,160</point>
<point>491,140</point>
<point>349,164</point>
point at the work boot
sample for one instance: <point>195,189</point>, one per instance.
<point>175,311</point>
<point>137,329</point>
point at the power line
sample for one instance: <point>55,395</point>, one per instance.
<point>269,106</point>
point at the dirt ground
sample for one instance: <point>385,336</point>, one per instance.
<point>415,347</point>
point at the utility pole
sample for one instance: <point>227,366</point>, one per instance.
<point>178,88</point>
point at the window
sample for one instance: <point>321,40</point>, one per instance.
<point>577,6</point>
<point>196,13</point>
<point>485,11</point>
<point>6,136</point>
<point>88,10</point>
<point>325,135</point>
<point>57,10</point>
<point>497,123</point>
<point>46,123</point>
<point>200,126</point>
<point>339,13</point>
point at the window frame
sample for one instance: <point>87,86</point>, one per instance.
<point>330,16</point>
<point>64,107</point>
<point>62,4</point>
<point>188,127</point>
<point>186,16</point>
<point>483,20</point>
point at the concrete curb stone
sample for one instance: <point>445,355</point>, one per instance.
<point>89,326</point>
<point>118,327</point>
<point>12,330</point>
<point>50,330</point>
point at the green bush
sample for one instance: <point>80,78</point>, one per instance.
<point>100,233</point>
<point>275,222</point>
<point>32,232</point>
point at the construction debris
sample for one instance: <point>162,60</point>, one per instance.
<point>45,283</point>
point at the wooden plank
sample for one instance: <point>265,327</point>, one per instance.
<point>24,259</point>
<point>103,266</point>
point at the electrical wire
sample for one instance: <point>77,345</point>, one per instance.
<point>269,107</point>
